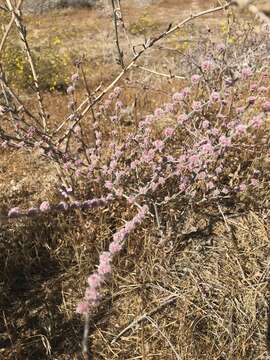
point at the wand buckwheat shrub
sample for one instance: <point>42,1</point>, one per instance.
<point>203,145</point>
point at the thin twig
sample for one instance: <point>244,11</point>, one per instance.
<point>121,19</point>
<point>22,32</point>
<point>170,76</point>
<point>85,337</point>
<point>165,337</point>
<point>144,317</point>
<point>117,42</point>
<point>9,26</point>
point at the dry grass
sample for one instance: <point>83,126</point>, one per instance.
<point>218,272</point>
<point>216,265</point>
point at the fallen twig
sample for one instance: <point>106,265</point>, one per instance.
<point>144,317</point>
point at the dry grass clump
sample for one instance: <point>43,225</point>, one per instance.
<point>215,276</point>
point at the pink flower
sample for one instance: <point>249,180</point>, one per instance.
<point>253,87</point>
<point>119,236</point>
<point>242,187</point>
<point>201,175</point>
<point>161,181</point>
<point>195,79</point>
<point>240,129</point>
<point>182,119</point>
<point>117,91</point>
<point>183,186</point>
<point>257,121</point>
<point>118,105</point>
<point>219,170</point>
<point>45,206</point>
<point>224,141</point>
<point>196,105</point>
<point>14,212</point>
<point>159,145</point>
<point>240,110</point>
<point>207,65</point>
<point>105,257</point>
<point>168,132</point>
<point>131,199</point>
<point>70,90</point>
<point>91,295</point>
<point>149,155</point>
<point>82,308</point>
<point>108,185</point>
<point>262,89</point>
<point>4,144</point>
<point>246,73</point>
<point>129,226</point>
<point>177,97</point>
<point>185,92</point>
<point>266,106</point>
<point>104,268</point>
<point>215,96</point>
<point>169,108</point>
<point>158,112</point>
<point>142,190</point>
<point>78,173</point>
<point>254,182</point>
<point>94,280</point>
<point>205,124</point>
<point>214,131</point>
<point>207,148</point>
<point>107,103</point>
<point>216,192</point>
<point>133,164</point>
<point>115,247</point>
<point>75,78</point>
<point>210,185</point>
<point>114,118</point>
<point>144,210</point>
<point>251,100</point>
<point>194,161</point>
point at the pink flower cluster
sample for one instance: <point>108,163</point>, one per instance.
<point>93,291</point>
<point>45,207</point>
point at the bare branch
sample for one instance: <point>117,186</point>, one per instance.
<point>9,26</point>
<point>132,63</point>
<point>22,32</point>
